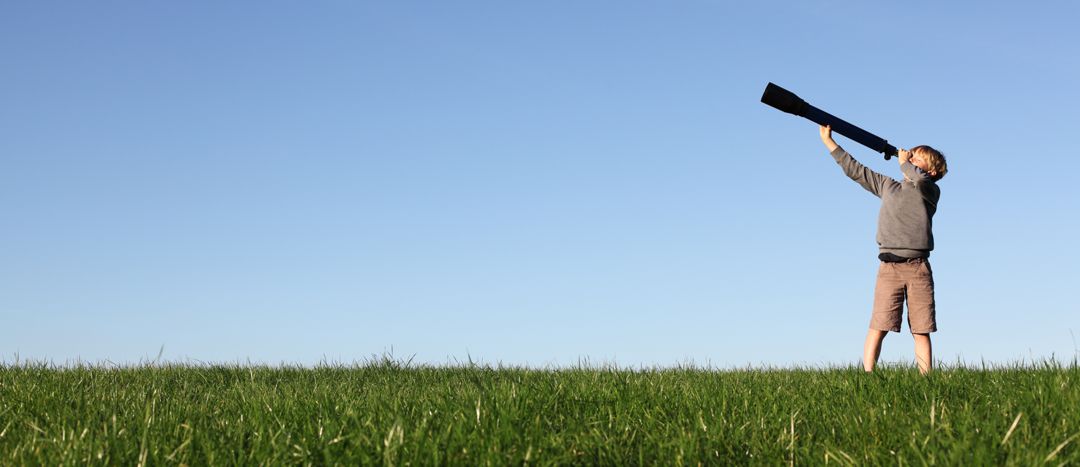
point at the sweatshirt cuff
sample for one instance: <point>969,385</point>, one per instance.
<point>837,153</point>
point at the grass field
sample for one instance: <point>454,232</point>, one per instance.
<point>387,412</point>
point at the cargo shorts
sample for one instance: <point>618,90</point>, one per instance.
<point>911,281</point>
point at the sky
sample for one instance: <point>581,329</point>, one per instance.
<point>524,183</point>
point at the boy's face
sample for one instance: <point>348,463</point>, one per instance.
<point>918,161</point>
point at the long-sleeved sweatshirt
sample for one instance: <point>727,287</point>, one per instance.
<point>905,226</point>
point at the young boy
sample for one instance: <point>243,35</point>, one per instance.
<point>905,239</point>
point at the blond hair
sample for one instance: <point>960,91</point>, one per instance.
<point>935,160</point>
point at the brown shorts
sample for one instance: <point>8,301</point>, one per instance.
<point>914,281</point>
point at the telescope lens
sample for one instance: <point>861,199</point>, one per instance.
<point>782,99</point>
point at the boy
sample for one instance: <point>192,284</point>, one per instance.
<point>905,239</point>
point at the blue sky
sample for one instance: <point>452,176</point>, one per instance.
<point>523,182</point>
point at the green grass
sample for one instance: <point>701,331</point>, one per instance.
<point>387,412</point>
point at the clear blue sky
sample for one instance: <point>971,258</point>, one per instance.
<point>523,182</point>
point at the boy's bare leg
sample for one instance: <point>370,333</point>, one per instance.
<point>872,348</point>
<point>923,352</point>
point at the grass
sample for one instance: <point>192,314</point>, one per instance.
<point>388,412</point>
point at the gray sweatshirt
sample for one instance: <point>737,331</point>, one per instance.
<point>907,207</point>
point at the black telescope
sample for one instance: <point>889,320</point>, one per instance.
<point>782,99</point>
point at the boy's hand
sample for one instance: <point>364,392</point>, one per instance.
<point>903,155</point>
<point>826,137</point>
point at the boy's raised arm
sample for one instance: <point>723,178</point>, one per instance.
<point>872,181</point>
<point>826,137</point>
<point>909,170</point>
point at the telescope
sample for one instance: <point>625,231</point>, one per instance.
<point>782,99</point>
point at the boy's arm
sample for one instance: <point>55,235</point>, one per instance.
<point>909,170</point>
<point>913,173</point>
<point>872,181</point>
<point>826,137</point>
<point>923,181</point>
